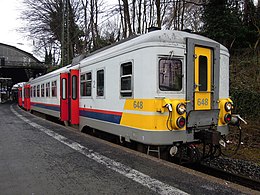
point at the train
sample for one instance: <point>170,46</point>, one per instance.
<point>164,89</point>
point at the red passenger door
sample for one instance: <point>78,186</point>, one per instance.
<point>64,96</point>
<point>20,103</point>
<point>74,97</point>
<point>27,102</point>
<point>25,97</point>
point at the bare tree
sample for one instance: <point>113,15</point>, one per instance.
<point>181,14</point>
<point>127,20</point>
<point>46,25</point>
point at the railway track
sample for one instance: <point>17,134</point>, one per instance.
<point>231,177</point>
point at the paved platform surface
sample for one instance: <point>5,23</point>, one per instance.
<point>40,157</point>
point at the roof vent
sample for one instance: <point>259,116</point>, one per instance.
<point>153,28</point>
<point>187,30</point>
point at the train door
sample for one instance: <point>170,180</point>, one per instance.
<point>74,97</point>
<point>202,83</point>
<point>64,97</point>
<point>20,96</point>
<point>25,97</point>
<point>203,78</point>
<point>27,102</point>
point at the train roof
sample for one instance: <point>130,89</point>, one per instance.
<point>51,74</point>
<point>160,37</point>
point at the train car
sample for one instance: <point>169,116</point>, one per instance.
<point>20,87</point>
<point>160,88</point>
<point>164,88</point>
<point>45,93</point>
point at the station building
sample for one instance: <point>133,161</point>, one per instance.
<point>17,66</point>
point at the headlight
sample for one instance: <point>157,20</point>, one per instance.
<point>228,106</point>
<point>181,108</point>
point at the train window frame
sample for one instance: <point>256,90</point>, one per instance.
<point>64,88</point>
<point>38,91</point>
<point>31,90</point>
<point>25,91</point>
<point>84,82</point>
<point>98,82</point>
<point>28,92</point>
<point>125,74</point>
<point>74,87</point>
<point>20,94</point>
<point>42,90</point>
<point>54,88</point>
<point>34,91</point>
<point>180,74</point>
<point>203,73</point>
<point>47,85</point>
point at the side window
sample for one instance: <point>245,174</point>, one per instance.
<point>38,90</point>
<point>54,88</point>
<point>170,75</point>
<point>100,83</point>
<point>126,80</point>
<point>31,91</point>
<point>203,73</point>
<point>85,84</point>
<point>64,89</point>
<point>42,90</point>
<point>74,87</point>
<point>34,91</point>
<point>47,89</point>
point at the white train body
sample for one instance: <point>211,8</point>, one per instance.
<point>160,88</point>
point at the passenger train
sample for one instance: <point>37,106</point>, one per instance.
<point>164,88</point>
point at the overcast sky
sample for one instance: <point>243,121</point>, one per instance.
<point>10,10</point>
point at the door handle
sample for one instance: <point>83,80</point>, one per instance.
<point>197,85</point>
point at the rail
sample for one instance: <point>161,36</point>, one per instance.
<point>222,174</point>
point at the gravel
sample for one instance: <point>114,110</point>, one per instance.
<point>236,166</point>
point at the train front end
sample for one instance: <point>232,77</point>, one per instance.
<point>205,113</point>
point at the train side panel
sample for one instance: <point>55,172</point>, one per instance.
<point>132,113</point>
<point>132,101</point>
<point>46,95</point>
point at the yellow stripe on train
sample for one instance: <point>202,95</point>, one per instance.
<point>147,114</point>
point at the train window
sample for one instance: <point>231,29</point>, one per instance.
<point>100,83</point>
<point>203,73</point>
<point>34,91</point>
<point>31,91</point>
<point>64,89</point>
<point>126,79</point>
<point>47,89</point>
<point>85,84</point>
<point>38,90</point>
<point>74,87</point>
<point>170,75</point>
<point>42,90</point>
<point>54,88</point>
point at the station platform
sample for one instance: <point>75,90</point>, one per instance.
<point>41,157</point>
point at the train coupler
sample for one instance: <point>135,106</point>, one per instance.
<point>208,136</point>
